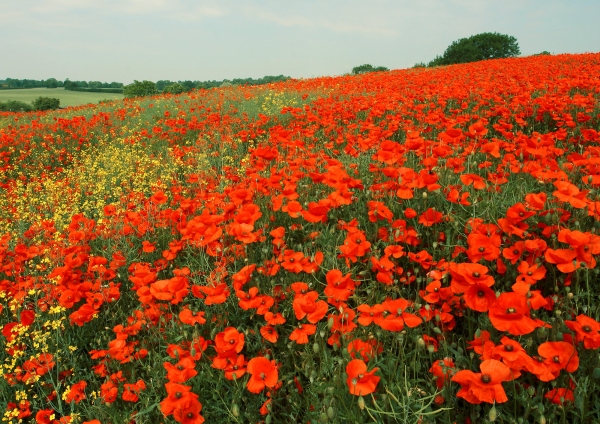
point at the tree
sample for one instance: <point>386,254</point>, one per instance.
<point>478,47</point>
<point>140,89</point>
<point>51,83</point>
<point>46,103</point>
<point>175,88</point>
<point>363,69</point>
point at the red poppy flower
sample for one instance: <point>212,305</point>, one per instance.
<point>510,312</point>
<point>466,274</point>
<point>339,287</point>
<point>365,350</point>
<point>355,245</point>
<point>360,381</point>
<point>188,412</point>
<point>43,416</point>
<point>587,330</point>
<point>430,217</point>
<point>269,333</point>
<point>563,258</point>
<point>182,371</point>
<point>570,193</point>
<point>560,395</point>
<point>559,356</point>
<point>370,314</point>
<point>442,371</point>
<point>263,373</point>
<point>485,386</point>
<point>292,261</point>
<point>186,316</point>
<point>378,211</point>
<point>178,394</point>
<point>308,306</point>
<point>229,342</point>
<point>535,201</point>
<point>235,368</point>
<point>479,297</point>
<point>483,247</point>
<point>300,334</point>
<point>477,181</point>
<point>77,392</point>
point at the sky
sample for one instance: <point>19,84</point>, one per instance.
<point>123,40</point>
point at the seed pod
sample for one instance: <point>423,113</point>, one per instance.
<point>361,403</point>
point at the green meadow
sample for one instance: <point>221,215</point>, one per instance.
<point>67,98</point>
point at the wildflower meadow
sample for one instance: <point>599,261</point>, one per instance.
<point>411,246</point>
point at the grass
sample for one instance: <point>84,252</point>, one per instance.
<point>67,98</point>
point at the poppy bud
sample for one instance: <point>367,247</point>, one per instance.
<point>316,348</point>
<point>323,417</point>
<point>235,410</point>
<point>330,323</point>
<point>268,419</point>
<point>361,403</point>
<point>424,195</point>
<point>542,419</point>
<point>420,343</point>
<point>493,414</point>
<point>331,413</point>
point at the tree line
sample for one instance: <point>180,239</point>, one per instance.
<point>149,88</point>
<point>13,83</point>
<point>137,88</point>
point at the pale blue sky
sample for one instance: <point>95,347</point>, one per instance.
<point>123,40</point>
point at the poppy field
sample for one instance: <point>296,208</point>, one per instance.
<point>409,246</point>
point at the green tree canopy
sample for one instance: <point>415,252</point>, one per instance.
<point>175,88</point>
<point>140,89</point>
<point>478,47</point>
<point>46,103</point>
<point>363,69</point>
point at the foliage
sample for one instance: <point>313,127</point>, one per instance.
<point>478,47</point>
<point>397,247</point>
<point>12,83</point>
<point>93,86</point>
<point>96,90</point>
<point>363,69</point>
<point>175,88</point>
<point>46,103</point>
<point>140,89</point>
<point>15,106</point>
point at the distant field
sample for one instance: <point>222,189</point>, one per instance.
<point>67,98</point>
